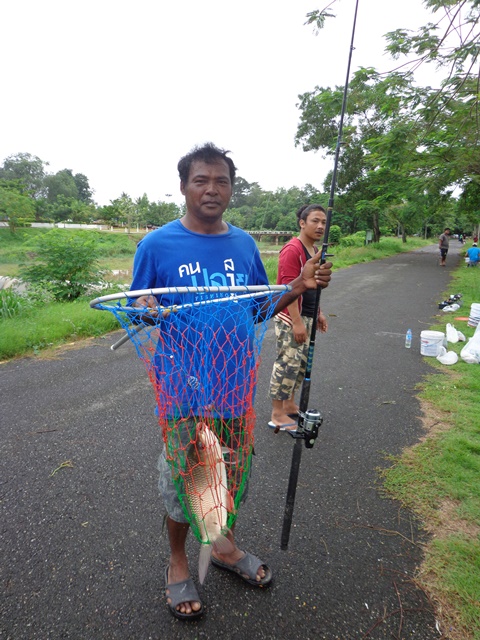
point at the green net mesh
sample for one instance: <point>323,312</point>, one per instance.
<point>201,350</point>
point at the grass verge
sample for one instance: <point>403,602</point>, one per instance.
<point>439,478</point>
<point>54,324</point>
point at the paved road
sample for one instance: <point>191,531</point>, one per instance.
<point>83,551</point>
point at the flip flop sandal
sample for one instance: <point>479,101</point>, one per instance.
<point>247,568</point>
<point>283,427</point>
<point>179,592</point>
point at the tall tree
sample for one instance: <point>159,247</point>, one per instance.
<point>29,170</point>
<point>61,183</point>
<point>85,193</point>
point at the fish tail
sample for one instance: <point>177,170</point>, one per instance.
<point>204,561</point>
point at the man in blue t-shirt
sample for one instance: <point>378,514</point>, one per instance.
<point>201,249</point>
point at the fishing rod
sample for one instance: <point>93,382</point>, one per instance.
<point>310,420</point>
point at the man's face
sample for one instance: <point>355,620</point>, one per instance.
<point>208,190</point>
<point>314,225</point>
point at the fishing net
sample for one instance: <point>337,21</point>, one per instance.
<point>201,347</point>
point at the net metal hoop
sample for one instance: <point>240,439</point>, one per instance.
<point>248,291</point>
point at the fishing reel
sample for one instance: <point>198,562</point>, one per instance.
<point>308,425</point>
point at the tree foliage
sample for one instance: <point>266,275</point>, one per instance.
<point>28,170</point>
<point>14,204</point>
<point>406,148</point>
<point>61,183</point>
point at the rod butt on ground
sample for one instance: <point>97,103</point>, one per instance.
<point>292,488</point>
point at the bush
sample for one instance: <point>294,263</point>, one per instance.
<point>65,264</point>
<point>354,240</point>
<point>10,303</point>
<point>14,303</point>
<point>335,234</point>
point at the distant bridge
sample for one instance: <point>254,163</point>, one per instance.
<point>282,236</point>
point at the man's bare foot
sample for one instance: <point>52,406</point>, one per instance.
<point>283,420</point>
<point>179,573</point>
<point>290,408</point>
<point>233,558</point>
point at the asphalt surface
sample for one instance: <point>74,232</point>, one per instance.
<point>82,547</point>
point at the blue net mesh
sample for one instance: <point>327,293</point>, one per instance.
<point>201,351</point>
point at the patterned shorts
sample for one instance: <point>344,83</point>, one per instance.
<point>289,367</point>
<point>166,484</point>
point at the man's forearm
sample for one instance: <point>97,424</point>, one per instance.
<point>298,289</point>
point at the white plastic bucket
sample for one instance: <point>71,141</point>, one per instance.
<point>431,343</point>
<point>474,319</point>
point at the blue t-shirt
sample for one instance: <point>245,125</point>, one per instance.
<point>474,254</point>
<point>173,256</point>
<point>205,360</point>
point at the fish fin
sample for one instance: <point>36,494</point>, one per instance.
<point>204,561</point>
<point>223,545</point>
<point>230,506</point>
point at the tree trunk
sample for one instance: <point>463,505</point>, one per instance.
<point>376,228</point>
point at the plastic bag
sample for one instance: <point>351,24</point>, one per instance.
<point>451,307</point>
<point>452,333</point>
<point>471,351</point>
<point>447,357</point>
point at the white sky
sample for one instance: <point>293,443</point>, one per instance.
<point>119,90</point>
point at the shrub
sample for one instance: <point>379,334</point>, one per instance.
<point>10,303</point>
<point>354,240</point>
<point>334,234</point>
<point>65,264</point>
<point>15,303</point>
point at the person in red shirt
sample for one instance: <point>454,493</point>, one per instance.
<point>293,325</point>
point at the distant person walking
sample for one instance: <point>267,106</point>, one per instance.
<point>443,245</point>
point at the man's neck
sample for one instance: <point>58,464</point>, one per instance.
<point>205,227</point>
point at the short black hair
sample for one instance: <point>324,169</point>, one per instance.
<point>302,213</point>
<point>208,153</point>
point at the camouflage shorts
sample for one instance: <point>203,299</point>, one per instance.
<point>289,367</point>
<point>166,484</point>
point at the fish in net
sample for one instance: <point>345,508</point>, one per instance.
<point>201,347</point>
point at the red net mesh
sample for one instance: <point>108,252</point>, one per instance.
<point>202,354</point>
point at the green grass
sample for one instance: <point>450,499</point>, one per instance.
<point>347,256</point>
<point>54,324</point>
<point>457,561</point>
<point>117,249</point>
<point>439,478</point>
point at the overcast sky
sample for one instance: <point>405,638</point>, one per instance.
<point>119,90</point>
